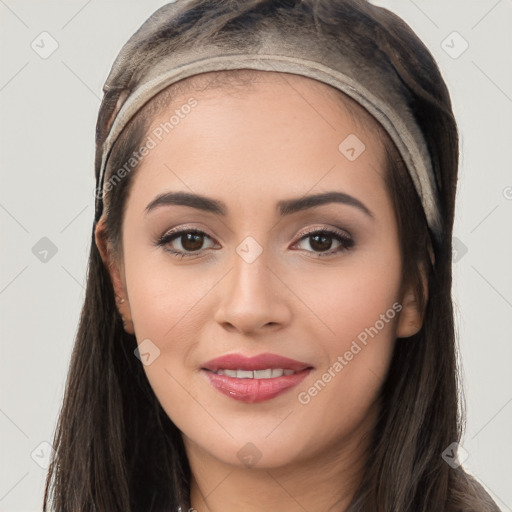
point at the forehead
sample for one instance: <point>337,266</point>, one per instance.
<point>242,82</point>
<point>260,130</point>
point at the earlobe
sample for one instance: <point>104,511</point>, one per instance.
<point>115,272</point>
<point>410,320</point>
<point>411,315</point>
<point>101,241</point>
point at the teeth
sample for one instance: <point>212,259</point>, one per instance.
<point>256,374</point>
<point>229,373</point>
<point>262,374</point>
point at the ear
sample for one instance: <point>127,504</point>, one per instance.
<point>411,316</point>
<point>116,271</point>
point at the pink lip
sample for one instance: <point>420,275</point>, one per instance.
<point>254,390</point>
<point>259,362</point>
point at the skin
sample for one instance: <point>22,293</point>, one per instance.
<point>277,140</point>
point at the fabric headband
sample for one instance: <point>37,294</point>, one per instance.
<point>375,88</point>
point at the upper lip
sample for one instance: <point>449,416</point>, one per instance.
<point>259,362</point>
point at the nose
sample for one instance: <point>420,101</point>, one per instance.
<point>253,297</point>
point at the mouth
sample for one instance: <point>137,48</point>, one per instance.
<point>268,373</point>
<point>254,379</point>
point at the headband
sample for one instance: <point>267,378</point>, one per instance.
<point>140,72</point>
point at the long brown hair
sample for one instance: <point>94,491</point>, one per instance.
<point>115,447</point>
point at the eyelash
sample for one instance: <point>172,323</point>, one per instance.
<point>346,242</point>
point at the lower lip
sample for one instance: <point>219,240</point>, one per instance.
<point>254,390</point>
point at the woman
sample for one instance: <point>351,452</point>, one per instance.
<point>268,322</point>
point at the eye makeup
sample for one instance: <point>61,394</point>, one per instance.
<point>189,235</point>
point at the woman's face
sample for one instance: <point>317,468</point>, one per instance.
<point>268,271</point>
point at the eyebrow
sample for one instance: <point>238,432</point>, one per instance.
<point>285,207</point>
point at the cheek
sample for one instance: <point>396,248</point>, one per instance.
<point>358,309</point>
<point>165,305</point>
<point>164,299</point>
<point>350,298</point>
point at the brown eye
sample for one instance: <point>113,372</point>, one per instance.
<point>190,240</point>
<point>322,240</point>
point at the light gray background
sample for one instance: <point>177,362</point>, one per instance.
<point>48,115</point>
